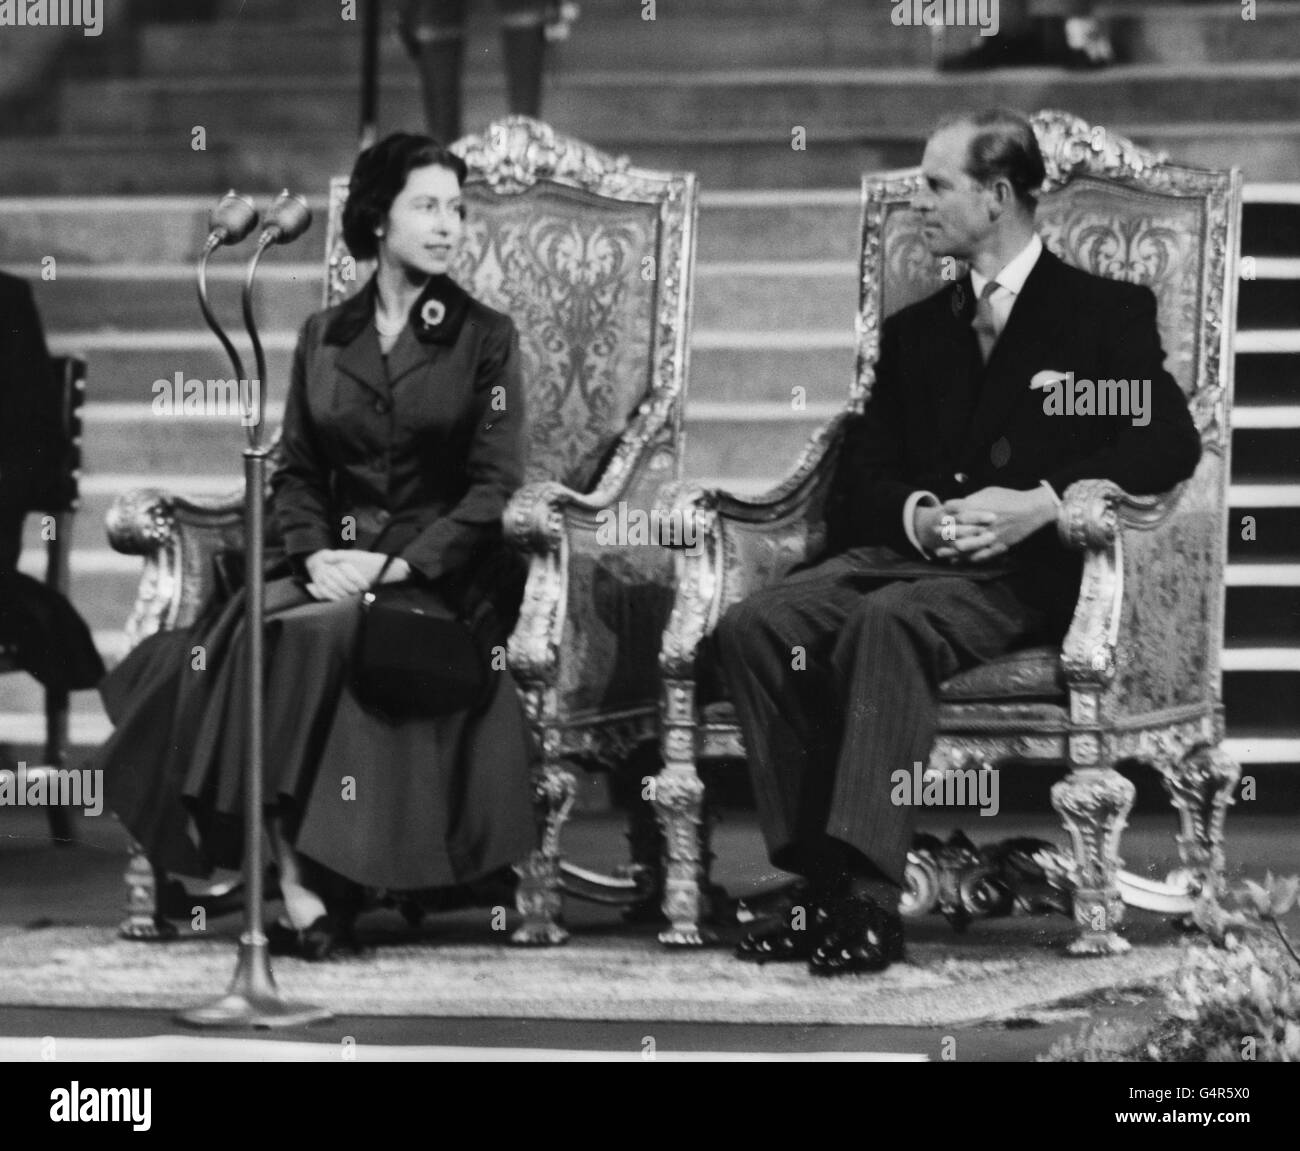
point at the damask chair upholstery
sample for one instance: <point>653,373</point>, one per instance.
<point>58,502</point>
<point>1138,676</point>
<point>593,260</point>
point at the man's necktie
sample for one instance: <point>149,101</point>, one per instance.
<point>985,325</point>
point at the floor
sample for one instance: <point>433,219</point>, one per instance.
<point>81,884</point>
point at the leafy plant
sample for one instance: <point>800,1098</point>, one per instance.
<point>1235,997</point>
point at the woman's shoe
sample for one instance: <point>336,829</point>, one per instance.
<point>314,943</point>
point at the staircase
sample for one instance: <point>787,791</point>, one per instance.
<point>109,185</point>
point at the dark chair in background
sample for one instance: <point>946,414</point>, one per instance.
<point>59,502</point>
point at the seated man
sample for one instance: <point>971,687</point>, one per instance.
<point>941,530</point>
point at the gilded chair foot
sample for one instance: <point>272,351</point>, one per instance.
<point>1106,943</point>
<point>539,935</point>
<point>143,930</point>
<point>683,937</point>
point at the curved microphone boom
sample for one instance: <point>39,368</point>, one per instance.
<point>229,222</point>
<point>253,999</point>
<point>286,219</point>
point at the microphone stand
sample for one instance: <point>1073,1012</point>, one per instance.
<point>253,999</point>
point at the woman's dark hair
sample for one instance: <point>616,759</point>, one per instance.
<point>379,175</point>
<point>1003,145</point>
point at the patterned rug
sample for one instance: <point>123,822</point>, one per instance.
<point>597,977</point>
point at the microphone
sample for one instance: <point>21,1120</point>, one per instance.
<point>231,220</point>
<point>286,219</point>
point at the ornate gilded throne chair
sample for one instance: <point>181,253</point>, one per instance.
<point>1138,676</point>
<point>593,260</point>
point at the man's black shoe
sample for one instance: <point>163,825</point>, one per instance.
<point>794,939</point>
<point>859,936</point>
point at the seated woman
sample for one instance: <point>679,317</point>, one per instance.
<point>403,438</point>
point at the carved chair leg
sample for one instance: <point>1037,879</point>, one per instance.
<point>538,894</point>
<point>678,800</point>
<point>143,921</point>
<point>645,838</point>
<point>719,906</point>
<point>1094,804</point>
<point>1201,788</point>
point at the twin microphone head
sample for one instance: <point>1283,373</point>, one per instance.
<point>235,217</point>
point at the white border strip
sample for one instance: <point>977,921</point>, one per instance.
<point>197,1049</point>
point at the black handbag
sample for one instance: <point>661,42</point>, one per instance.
<point>414,656</point>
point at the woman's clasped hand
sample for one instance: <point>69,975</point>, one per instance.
<point>336,573</point>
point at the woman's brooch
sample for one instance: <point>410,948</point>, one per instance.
<point>433,313</point>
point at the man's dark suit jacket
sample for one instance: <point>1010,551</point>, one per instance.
<point>940,420</point>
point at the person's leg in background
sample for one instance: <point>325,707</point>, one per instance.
<point>11,536</point>
<point>1037,33</point>
<point>523,46</point>
<point>1087,43</point>
<point>434,34</point>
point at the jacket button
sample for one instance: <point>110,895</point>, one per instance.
<point>382,406</point>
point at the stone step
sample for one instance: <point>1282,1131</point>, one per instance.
<point>1266,379</point>
<point>736,444</point>
<point>152,297</point>
<point>1207,32</point>
<point>163,162</point>
<point>1261,700</point>
<point>314,12</point>
<point>756,105</point>
<point>682,41</point>
<point>774,225</point>
<point>786,225</point>
<point>124,366</point>
<point>808,295</point>
<point>1272,227</point>
<point>726,366</point>
<point>743,295</point>
<point>703,38</point>
<point>744,440</point>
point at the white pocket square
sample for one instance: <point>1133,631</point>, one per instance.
<point>1048,378</point>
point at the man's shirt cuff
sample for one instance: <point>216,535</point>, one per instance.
<point>915,500</point>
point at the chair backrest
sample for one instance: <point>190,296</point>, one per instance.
<point>1119,211</point>
<point>58,465</point>
<point>593,260</point>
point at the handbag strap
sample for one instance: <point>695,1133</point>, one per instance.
<point>380,577</point>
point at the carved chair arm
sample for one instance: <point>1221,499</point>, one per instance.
<point>596,598</point>
<point>729,545</point>
<point>1116,606</point>
<point>177,537</point>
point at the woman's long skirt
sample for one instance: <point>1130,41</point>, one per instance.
<point>408,805</point>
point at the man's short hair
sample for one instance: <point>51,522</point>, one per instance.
<point>1003,144</point>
